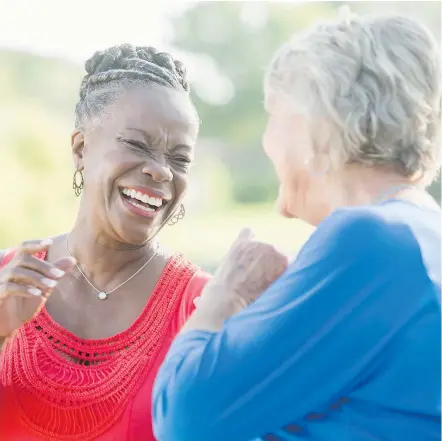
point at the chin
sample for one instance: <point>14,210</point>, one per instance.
<point>136,225</point>
<point>136,234</point>
<point>281,204</point>
<point>282,209</point>
<point>284,213</point>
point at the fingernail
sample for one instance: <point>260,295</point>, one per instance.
<point>46,242</point>
<point>48,282</point>
<point>34,291</point>
<point>57,272</point>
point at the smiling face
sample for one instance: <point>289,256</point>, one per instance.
<point>136,160</point>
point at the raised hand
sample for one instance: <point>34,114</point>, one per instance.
<point>25,284</point>
<point>248,269</point>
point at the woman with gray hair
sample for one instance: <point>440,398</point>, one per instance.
<point>344,344</point>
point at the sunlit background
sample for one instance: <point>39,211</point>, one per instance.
<point>226,45</point>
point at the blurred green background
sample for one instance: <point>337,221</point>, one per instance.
<point>226,46</point>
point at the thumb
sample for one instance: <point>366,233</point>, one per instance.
<point>245,234</point>
<point>65,263</point>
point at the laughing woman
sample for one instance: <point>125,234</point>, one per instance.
<point>87,317</point>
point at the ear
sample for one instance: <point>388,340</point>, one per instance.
<point>77,143</point>
<point>319,164</point>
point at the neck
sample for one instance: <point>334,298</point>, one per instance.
<point>100,255</point>
<point>359,185</point>
<point>362,186</point>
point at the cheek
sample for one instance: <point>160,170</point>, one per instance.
<point>180,183</point>
<point>275,146</point>
<point>105,168</point>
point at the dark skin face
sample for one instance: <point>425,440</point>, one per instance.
<point>146,139</point>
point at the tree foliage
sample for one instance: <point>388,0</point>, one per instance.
<point>231,43</point>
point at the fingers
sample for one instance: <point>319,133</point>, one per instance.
<point>39,274</point>
<point>282,264</point>
<point>34,246</point>
<point>20,290</point>
<point>29,277</point>
<point>65,264</point>
<point>45,269</point>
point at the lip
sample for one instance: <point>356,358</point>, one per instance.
<point>138,211</point>
<point>148,191</point>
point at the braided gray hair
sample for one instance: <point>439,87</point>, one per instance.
<point>108,72</point>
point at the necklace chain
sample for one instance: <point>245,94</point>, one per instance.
<point>102,295</point>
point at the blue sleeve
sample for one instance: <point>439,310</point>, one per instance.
<point>307,341</point>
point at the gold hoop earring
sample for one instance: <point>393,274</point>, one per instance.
<point>177,217</point>
<point>78,186</point>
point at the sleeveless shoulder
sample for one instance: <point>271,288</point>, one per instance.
<point>193,290</point>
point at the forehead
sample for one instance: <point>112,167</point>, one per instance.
<point>156,109</point>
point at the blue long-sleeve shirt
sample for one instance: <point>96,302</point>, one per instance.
<point>345,346</point>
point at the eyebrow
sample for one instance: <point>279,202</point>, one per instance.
<point>146,135</point>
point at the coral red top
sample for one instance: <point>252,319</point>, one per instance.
<point>55,386</point>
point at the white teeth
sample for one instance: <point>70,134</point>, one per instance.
<point>157,202</point>
<point>143,207</point>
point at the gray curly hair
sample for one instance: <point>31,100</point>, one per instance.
<point>376,81</point>
<point>109,72</point>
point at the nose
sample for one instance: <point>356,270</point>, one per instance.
<point>159,171</point>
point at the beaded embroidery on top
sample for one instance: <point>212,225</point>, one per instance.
<point>72,389</point>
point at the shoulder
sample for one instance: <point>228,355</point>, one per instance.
<point>363,233</point>
<point>196,285</point>
<point>192,291</point>
<point>369,226</point>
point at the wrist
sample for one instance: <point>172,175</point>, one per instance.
<point>218,308</point>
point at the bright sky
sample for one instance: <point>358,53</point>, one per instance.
<point>75,29</point>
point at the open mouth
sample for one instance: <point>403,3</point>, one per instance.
<point>142,201</point>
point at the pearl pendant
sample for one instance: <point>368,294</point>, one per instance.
<point>102,295</point>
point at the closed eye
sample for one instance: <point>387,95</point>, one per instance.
<point>182,159</point>
<point>134,144</point>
